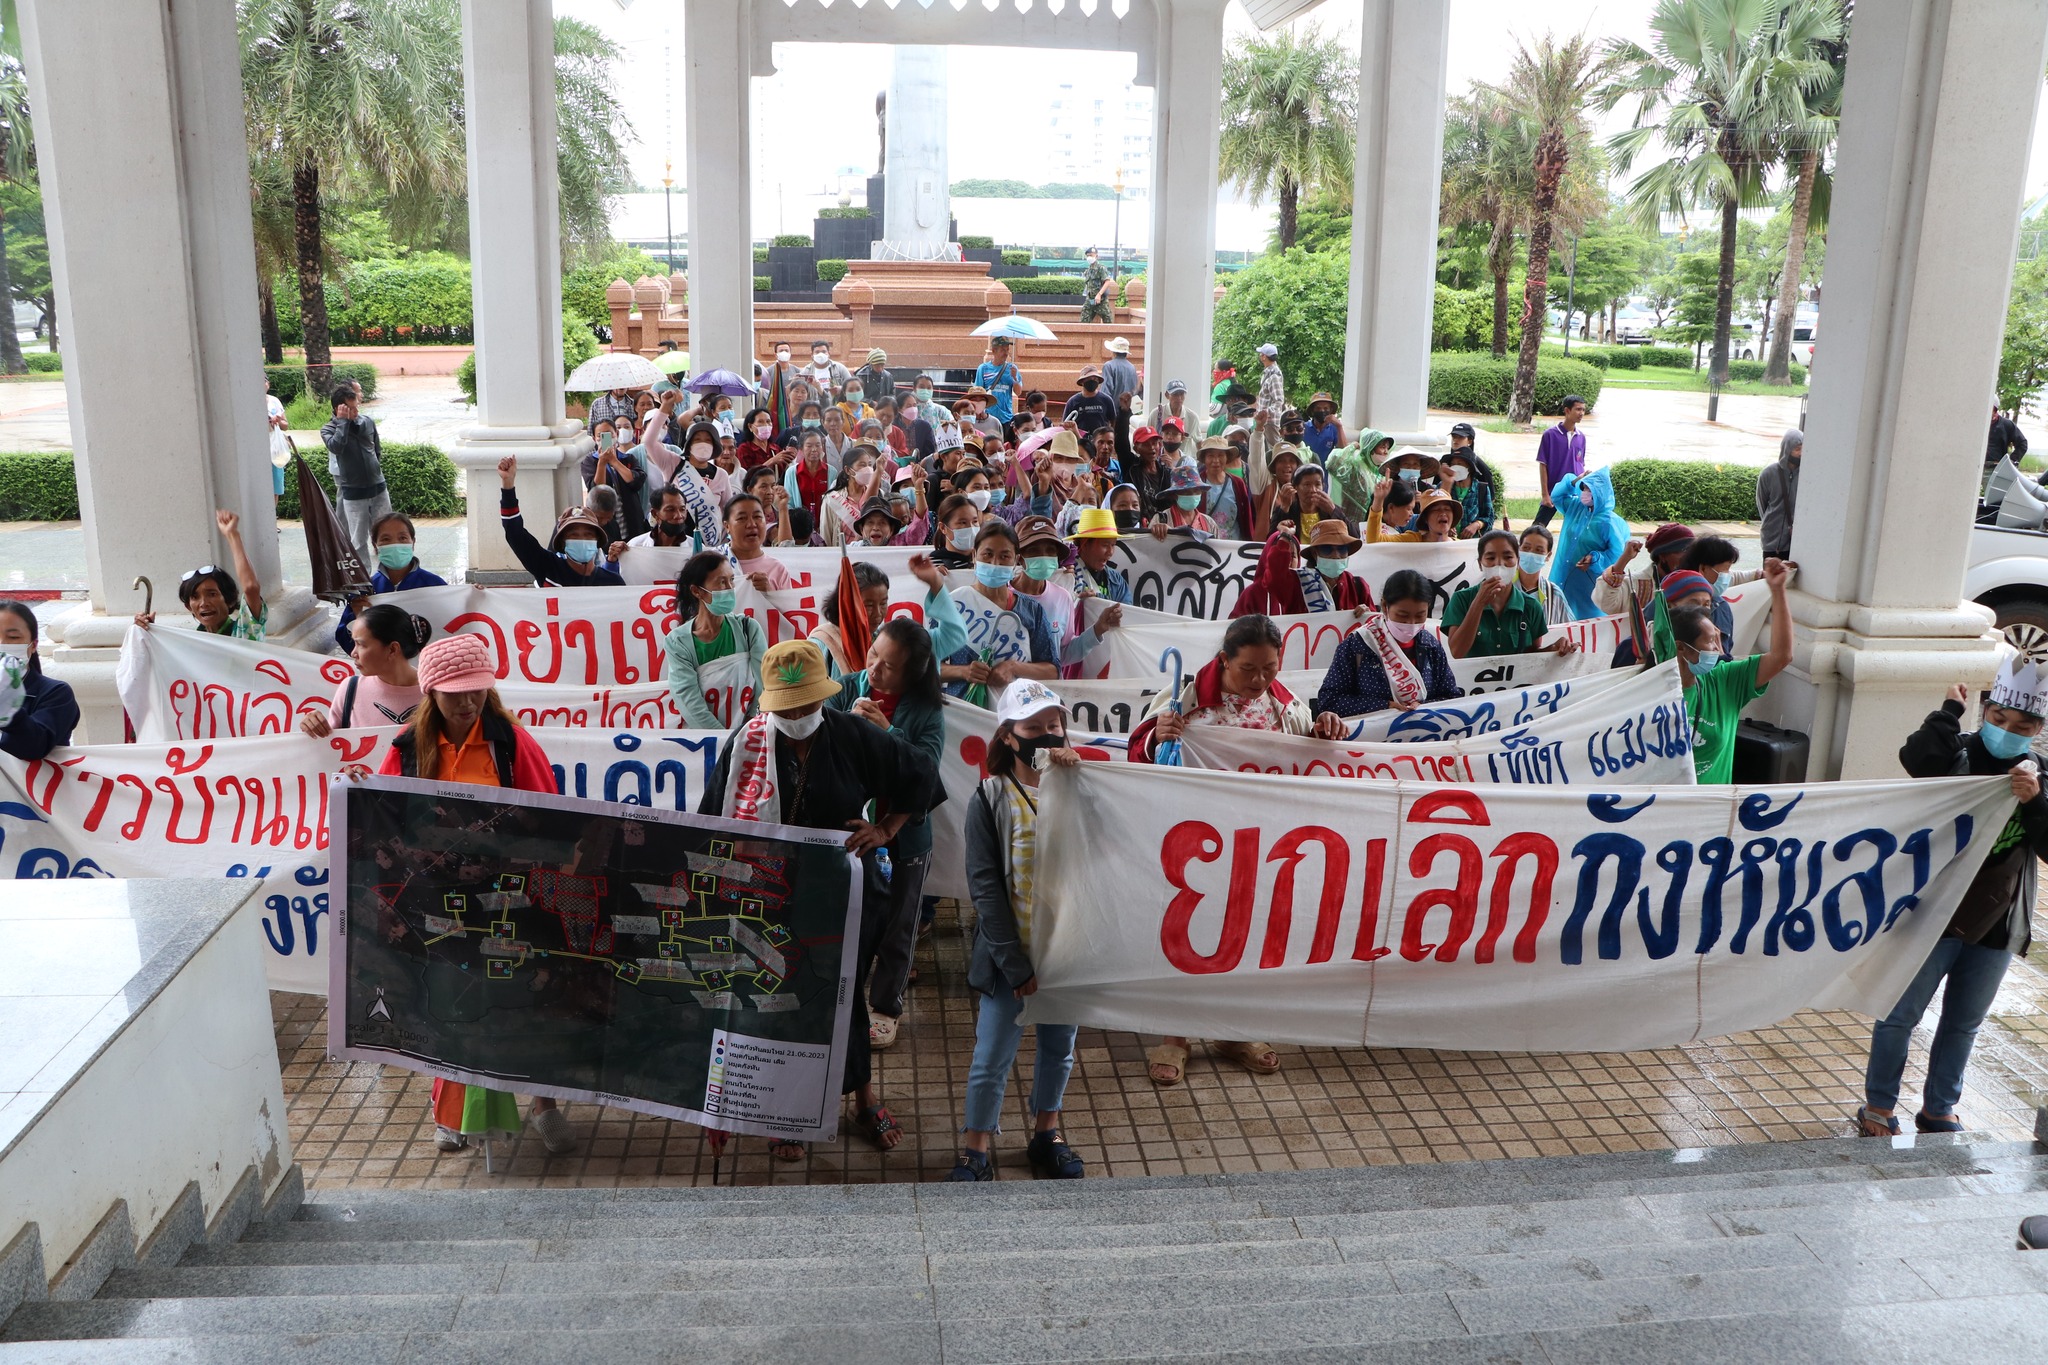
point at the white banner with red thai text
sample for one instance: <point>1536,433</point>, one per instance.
<point>1639,735</point>
<point>258,808</point>
<point>1398,914</point>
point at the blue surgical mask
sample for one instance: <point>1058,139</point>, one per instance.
<point>1702,664</point>
<point>582,551</point>
<point>2000,743</point>
<point>1721,585</point>
<point>963,539</point>
<point>394,557</point>
<point>995,575</point>
<point>1532,563</point>
<point>996,496</point>
<point>1411,475</point>
<point>1189,501</point>
<point>1330,566</point>
<point>1042,567</point>
<point>723,601</point>
<point>811,423</point>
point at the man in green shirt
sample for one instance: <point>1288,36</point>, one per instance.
<point>1096,291</point>
<point>1494,615</point>
<point>1716,692</point>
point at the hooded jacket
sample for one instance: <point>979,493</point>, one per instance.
<point>1596,531</point>
<point>1352,474</point>
<point>1777,493</point>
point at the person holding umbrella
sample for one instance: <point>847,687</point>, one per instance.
<point>1001,378</point>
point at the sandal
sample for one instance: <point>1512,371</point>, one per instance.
<point>882,1032</point>
<point>715,1139</point>
<point>1874,1125</point>
<point>787,1149</point>
<point>1167,1057</point>
<point>1923,1123</point>
<point>1257,1058</point>
<point>878,1127</point>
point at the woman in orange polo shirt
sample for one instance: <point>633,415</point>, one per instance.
<point>463,733</point>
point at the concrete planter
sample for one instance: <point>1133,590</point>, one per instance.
<point>792,267</point>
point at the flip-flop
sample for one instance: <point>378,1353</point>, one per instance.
<point>787,1149</point>
<point>875,1125</point>
<point>1171,1055</point>
<point>1925,1124</point>
<point>1253,1057</point>
<point>1865,1120</point>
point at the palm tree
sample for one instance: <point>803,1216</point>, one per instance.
<point>17,162</point>
<point>1290,119</point>
<point>1548,86</point>
<point>350,93</point>
<point>1815,27</point>
<point>1718,90</point>
<point>1487,183</point>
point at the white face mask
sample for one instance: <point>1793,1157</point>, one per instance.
<point>979,497</point>
<point>702,453</point>
<point>801,727</point>
<point>1404,632</point>
<point>1497,573</point>
<point>1453,474</point>
<point>782,356</point>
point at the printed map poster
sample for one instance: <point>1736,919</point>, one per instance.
<point>680,965</point>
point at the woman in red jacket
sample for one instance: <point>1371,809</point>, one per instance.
<point>463,733</point>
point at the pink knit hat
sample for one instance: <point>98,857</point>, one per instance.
<point>456,663</point>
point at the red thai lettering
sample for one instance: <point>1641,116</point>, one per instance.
<point>1193,841</point>
<point>1462,899</point>
<point>1289,853</point>
<point>1367,948</point>
<point>1511,851</point>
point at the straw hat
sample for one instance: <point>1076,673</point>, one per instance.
<point>793,674</point>
<point>1117,346</point>
<point>1433,497</point>
<point>1429,465</point>
<point>1330,533</point>
<point>1095,523</point>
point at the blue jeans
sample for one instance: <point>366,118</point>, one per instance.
<point>1973,975</point>
<point>998,1028</point>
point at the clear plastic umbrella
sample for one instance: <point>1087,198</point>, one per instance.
<point>1017,327</point>
<point>613,370</point>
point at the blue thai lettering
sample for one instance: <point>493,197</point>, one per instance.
<point>1595,850</point>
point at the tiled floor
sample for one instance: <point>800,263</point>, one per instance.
<point>362,1125</point>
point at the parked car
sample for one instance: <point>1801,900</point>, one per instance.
<point>1803,337</point>
<point>2008,572</point>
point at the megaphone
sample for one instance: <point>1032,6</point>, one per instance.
<point>2001,481</point>
<point>2022,508</point>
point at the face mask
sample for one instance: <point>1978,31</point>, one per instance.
<point>394,556</point>
<point>1532,563</point>
<point>1497,573</point>
<point>980,498</point>
<point>1721,584</point>
<point>1454,475</point>
<point>782,356</point>
<point>996,496</point>
<point>1411,475</point>
<point>1702,665</point>
<point>924,395</point>
<point>995,575</point>
<point>1404,632</point>
<point>702,453</point>
<point>2000,743</point>
<point>1126,520</point>
<point>1172,447</point>
<point>1030,749</point>
<point>800,727</point>
<point>853,395</point>
<point>1330,566</point>
<point>963,539</point>
<point>1188,502</point>
<point>582,551</point>
<point>812,424</point>
<point>1041,567</point>
<point>762,431</point>
<point>723,600</point>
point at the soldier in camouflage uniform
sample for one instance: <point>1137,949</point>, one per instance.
<point>1097,294</point>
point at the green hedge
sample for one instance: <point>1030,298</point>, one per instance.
<point>1475,382</point>
<point>289,381</point>
<point>422,298</point>
<point>763,283</point>
<point>831,270</point>
<point>423,481</point>
<point>790,239</point>
<point>1664,357</point>
<point>849,211</point>
<point>44,362</point>
<point>760,255</point>
<point>1595,356</point>
<point>1624,358</point>
<point>1014,258</point>
<point>1045,284</point>
<point>973,243</point>
<point>38,487</point>
<point>1752,371</point>
<point>1680,490</point>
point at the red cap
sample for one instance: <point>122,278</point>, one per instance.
<point>1176,424</point>
<point>1144,434</point>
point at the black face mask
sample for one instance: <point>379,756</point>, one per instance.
<point>1172,447</point>
<point>1026,748</point>
<point>1126,521</point>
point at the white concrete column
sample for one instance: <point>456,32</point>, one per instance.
<point>1187,113</point>
<point>1394,191</point>
<point>145,180</point>
<point>718,65</point>
<point>515,249</point>
<point>1938,111</point>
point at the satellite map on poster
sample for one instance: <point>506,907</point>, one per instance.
<point>675,964</point>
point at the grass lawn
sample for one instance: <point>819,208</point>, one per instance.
<point>1693,381</point>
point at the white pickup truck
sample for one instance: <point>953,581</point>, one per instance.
<point>2008,572</point>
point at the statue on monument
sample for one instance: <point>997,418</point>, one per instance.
<point>916,217</point>
<point>882,132</point>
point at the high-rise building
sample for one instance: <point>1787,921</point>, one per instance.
<point>1095,129</point>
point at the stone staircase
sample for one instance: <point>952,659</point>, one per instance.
<point>1818,1251</point>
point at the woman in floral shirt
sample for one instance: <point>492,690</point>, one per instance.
<point>217,603</point>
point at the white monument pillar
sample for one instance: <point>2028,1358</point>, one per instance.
<point>1938,111</point>
<point>917,214</point>
<point>515,242</point>
<point>145,182</point>
<point>1187,113</point>
<point>718,55</point>
<point>1395,183</point>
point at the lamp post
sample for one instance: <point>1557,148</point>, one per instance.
<point>1116,233</point>
<point>668,210</point>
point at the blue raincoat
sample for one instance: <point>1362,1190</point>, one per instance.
<point>1597,531</point>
